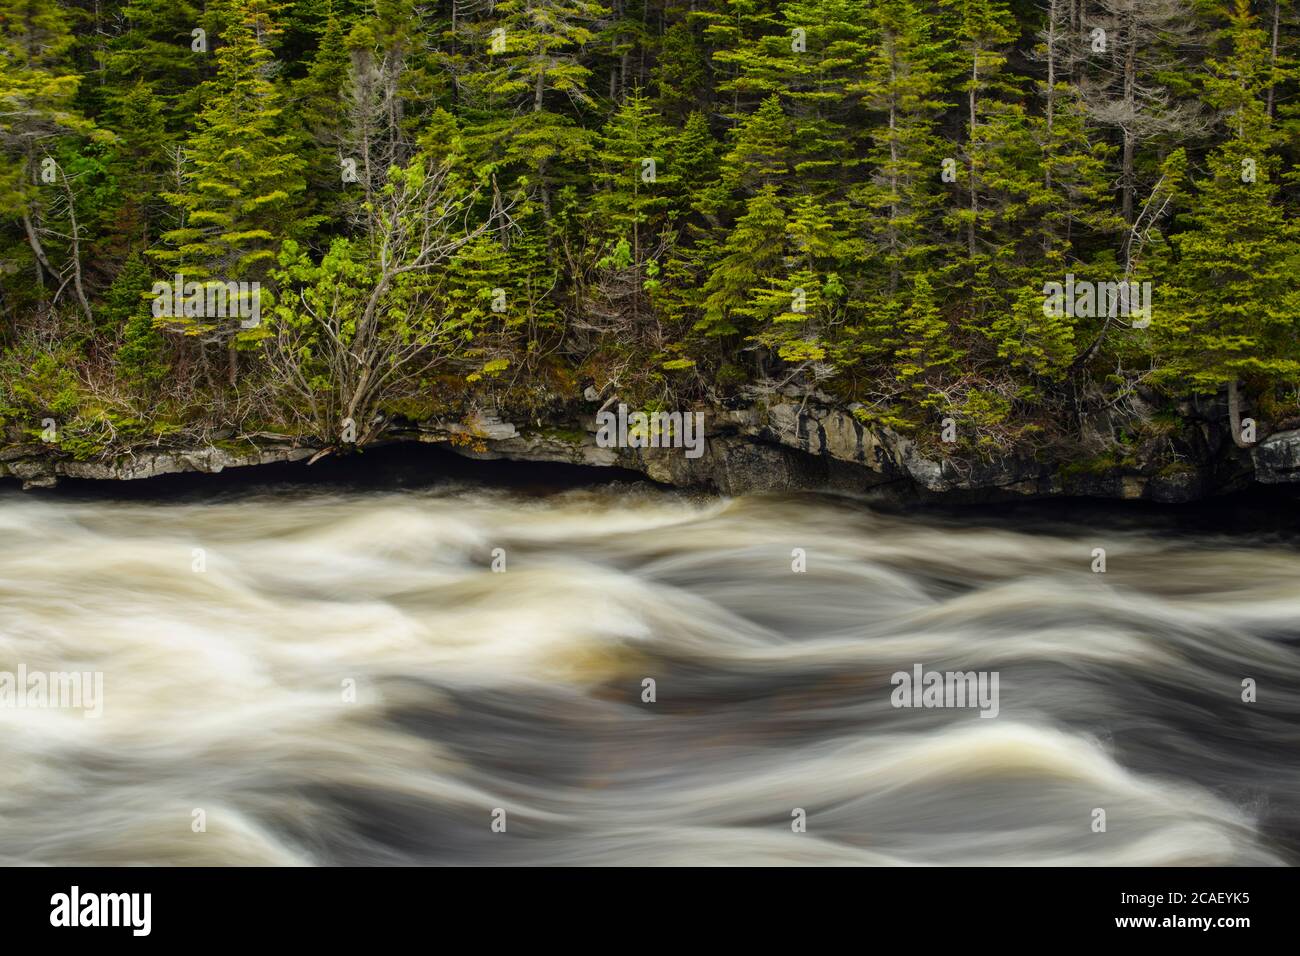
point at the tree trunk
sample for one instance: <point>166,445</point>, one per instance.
<point>76,250</point>
<point>1272,61</point>
<point>1052,15</point>
<point>544,188</point>
<point>1127,176</point>
<point>39,251</point>
<point>893,169</point>
<point>1234,414</point>
<point>974,195</point>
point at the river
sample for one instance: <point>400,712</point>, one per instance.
<point>335,674</point>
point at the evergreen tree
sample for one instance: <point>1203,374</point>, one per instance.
<point>984,29</point>
<point>317,99</point>
<point>38,89</point>
<point>817,55</point>
<point>167,45</point>
<point>126,313</point>
<point>751,256</point>
<point>530,80</point>
<point>241,181</point>
<point>681,74</point>
<point>635,177</point>
<point>698,197</point>
<point>901,88</point>
<point>634,184</point>
<point>732,32</point>
<point>1236,306</point>
<point>139,164</point>
<point>761,153</point>
<point>242,189</point>
<point>926,352</point>
<point>792,313</point>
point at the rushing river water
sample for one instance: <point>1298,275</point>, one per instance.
<point>229,675</point>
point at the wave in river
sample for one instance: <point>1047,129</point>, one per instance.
<point>345,679</point>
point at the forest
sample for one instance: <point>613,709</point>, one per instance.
<point>319,218</point>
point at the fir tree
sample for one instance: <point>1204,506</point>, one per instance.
<point>751,256</point>
<point>168,46</point>
<point>635,180</point>
<point>761,153</point>
<point>984,29</point>
<point>317,100</point>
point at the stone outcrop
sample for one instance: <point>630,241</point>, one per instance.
<point>36,467</point>
<point>1277,458</point>
<point>784,445</point>
<point>792,445</point>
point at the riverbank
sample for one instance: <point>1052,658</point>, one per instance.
<point>781,446</point>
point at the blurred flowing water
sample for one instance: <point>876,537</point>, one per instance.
<point>522,690</point>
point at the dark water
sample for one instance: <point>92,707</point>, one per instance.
<point>228,689</point>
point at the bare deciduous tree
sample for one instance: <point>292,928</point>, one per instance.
<point>1119,72</point>
<point>364,327</point>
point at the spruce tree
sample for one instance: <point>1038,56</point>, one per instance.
<point>242,190</point>
<point>698,196</point>
<point>926,353</point>
<point>680,76</point>
<point>762,151</point>
<point>167,45</point>
<point>629,210</point>
<point>792,309</point>
<point>752,255</point>
<point>902,90</point>
<point>984,30</point>
<point>531,84</point>
<point>318,97</point>
<point>1235,310</point>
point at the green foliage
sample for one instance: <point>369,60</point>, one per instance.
<point>127,312</point>
<point>926,353</point>
<point>242,183</point>
<point>1235,309</point>
<point>41,384</point>
<point>752,253</point>
<point>682,200</point>
<point>681,72</point>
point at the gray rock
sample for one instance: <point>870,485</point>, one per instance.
<point>796,443</point>
<point>1277,458</point>
<point>44,472</point>
<point>927,473</point>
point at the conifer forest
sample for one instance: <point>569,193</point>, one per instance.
<point>324,217</point>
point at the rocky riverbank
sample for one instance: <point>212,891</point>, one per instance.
<point>783,445</point>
